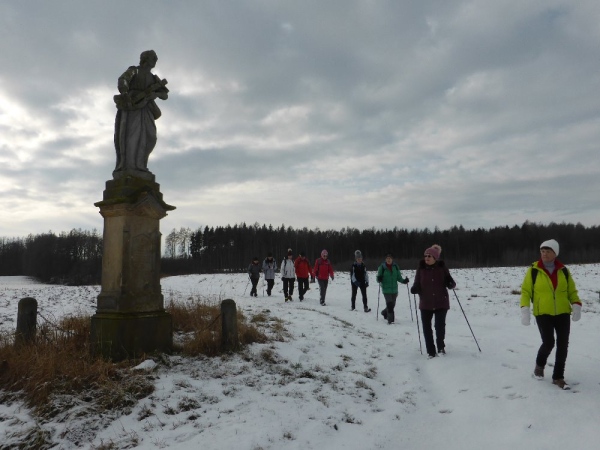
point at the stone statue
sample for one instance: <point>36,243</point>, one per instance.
<point>135,130</point>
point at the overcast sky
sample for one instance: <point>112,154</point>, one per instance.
<point>313,114</point>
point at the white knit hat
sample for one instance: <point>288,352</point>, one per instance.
<point>552,244</point>
<point>357,254</point>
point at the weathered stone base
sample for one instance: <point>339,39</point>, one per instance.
<point>121,336</point>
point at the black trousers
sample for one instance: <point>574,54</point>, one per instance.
<point>270,283</point>
<point>302,287</point>
<point>254,282</point>
<point>390,304</point>
<point>440,329</point>
<point>548,325</point>
<point>322,289</point>
<point>363,291</point>
<point>288,287</point>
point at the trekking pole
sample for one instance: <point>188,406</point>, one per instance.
<point>378,292</point>
<point>247,285</point>
<point>409,304</point>
<point>463,311</point>
<point>418,329</point>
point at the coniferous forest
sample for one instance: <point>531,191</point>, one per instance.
<point>75,257</point>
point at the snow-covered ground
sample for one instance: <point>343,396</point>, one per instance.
<point>345,380</point>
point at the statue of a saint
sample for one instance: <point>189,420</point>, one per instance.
<point>135,130</point>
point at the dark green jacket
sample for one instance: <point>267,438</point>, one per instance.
<point>389,278</point>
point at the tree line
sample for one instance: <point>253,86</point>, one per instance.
<point>231,248</point>
<point>75,257</point>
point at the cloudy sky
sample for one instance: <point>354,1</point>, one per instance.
<point>309,113</point>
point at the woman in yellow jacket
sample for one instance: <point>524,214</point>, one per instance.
<point>550,287</point>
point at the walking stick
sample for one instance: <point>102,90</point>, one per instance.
<point>378,292</point>
<point>247,285</point>
<point>418,329</point>
<point>463,311</point>
<point>409,304</point>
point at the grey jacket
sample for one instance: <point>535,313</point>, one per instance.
<point>269,269</point>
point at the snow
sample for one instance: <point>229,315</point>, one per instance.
<point>343,379</point>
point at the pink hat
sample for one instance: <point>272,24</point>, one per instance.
<point>435,251</point>
<point>324,253</point>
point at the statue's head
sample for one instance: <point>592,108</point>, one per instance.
<point>148,56</point>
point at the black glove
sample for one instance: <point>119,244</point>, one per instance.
<point>405,281</point>
<point>367,285</point>
<point>414,290</point>
<point>379,278</point>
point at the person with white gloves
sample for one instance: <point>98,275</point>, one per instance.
<point>549,288</point>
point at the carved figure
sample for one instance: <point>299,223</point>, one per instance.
<point>135,130</point>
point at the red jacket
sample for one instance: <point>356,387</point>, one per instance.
<point>323,269</point>
<point>302,267</point>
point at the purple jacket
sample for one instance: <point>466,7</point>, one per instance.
<point>432,284</point>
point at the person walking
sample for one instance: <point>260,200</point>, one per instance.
<point>322,271</point>
<point>548,285</point>
<point>254,270</point>
<point>359,279</point>
<point>388,276</point>
<point>432,281</point>
<point>288,275</point>
<point>302,268</point>
<point>269,267</point>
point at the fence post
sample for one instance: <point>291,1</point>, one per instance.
<point>26,320</point>
<point>229,334</point>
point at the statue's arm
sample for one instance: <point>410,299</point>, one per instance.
<point>125,79</point>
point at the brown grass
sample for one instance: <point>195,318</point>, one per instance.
<point>197,324</point>
<point>59,362</point>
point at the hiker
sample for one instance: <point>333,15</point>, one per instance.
<point>302,268</point>
<point>254,270</point>
<point>269,267</point>
<point>549,286</point>
<point>359,279</point>
<point>288,275</point>
<point>432,281</point>
<point>388,276</point>
<point>322,271</point>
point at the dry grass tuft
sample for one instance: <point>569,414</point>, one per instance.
<point>197,323</point>
<point>58,362</point>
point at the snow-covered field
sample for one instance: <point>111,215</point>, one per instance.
<point>344,380</point>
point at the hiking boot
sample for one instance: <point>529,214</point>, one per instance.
<point>367,309</point>
<point>538,372</point>
<point>353,309</point>
<point>442,352</point>
<point>322,303</point>
<point>431,356</point>
<point>384,313</point>
<point>561,383</point>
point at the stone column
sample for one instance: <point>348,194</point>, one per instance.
<point>130,318</point>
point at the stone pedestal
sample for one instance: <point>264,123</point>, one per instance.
<point>130,318</point>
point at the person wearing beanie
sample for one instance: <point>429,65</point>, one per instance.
<point>303,271</point>
<point>254,270</point>
<point>359,279</point>
<point>550,289</point>
<point>432,281</point>
<point>388,276</point>
<point>288,275</point>
<point>269,267</point>
<point>322,271</point>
